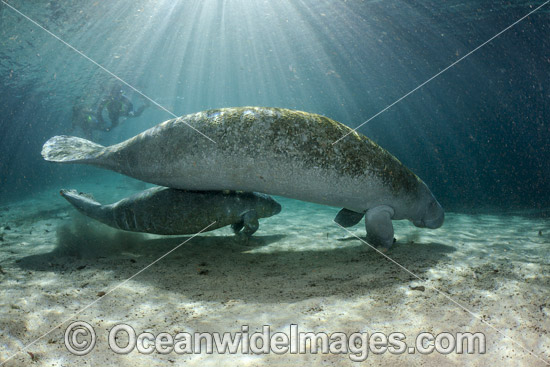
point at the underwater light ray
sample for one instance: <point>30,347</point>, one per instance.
<point>331,43</point>
<point>354,130</point>
<point>445,295</point>
<point>105,69</point>
<point>167,34</point>
<point>105,295</point>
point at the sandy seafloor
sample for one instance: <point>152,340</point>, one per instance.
<point>299,268</point>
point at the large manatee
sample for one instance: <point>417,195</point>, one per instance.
<point>274,151</point>
<point>161,210</point>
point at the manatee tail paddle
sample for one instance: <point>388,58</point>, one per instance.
<point>83,203</point>
<point>70,149</point>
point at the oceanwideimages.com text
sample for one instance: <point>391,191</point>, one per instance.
<point>123,339</point>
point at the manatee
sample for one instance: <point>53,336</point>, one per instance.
<point>162,210</point>
<point>271,150</point>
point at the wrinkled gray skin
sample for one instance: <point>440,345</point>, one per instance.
<point>161,210</point>
<point>271,150</point>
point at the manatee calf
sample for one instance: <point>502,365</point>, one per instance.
<point>271,150</point>
<point>161,210</point>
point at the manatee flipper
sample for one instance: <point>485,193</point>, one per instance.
<point>236,227</point>
<point>348,218</point>
<point>250,222</point>
<point>70,149</point>
<point>379,226</point>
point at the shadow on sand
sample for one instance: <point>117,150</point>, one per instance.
<point>221,268</point>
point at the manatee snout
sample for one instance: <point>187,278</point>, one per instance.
<point>266,206</point>
<point>433,217</point>
<point>276,209</point>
